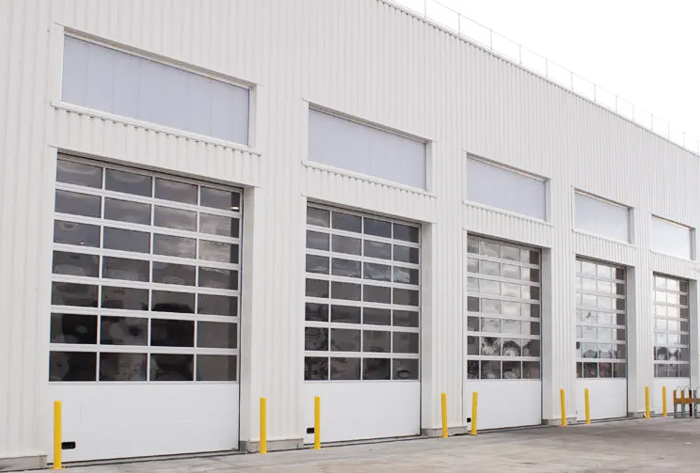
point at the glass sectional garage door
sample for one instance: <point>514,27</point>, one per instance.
<point>503,332</point>
<point>145,285</point>
<point>362,323</point>
<point>601,334</point>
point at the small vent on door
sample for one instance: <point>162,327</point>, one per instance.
<point>310,430</point>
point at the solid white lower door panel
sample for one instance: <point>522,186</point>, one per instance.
<point>608,398</point>
<point>502,404</point>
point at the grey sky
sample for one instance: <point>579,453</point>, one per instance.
<point>647,52</point>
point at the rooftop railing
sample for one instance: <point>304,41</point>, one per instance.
<point>512,51</point>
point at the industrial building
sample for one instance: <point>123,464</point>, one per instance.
<point>203,203</point>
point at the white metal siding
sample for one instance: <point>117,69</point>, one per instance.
<point>364,58</point>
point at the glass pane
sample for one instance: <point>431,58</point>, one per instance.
<point>345,314</point>
<point>375,249</point>
<point>473,324</point>
<point>376,368</point>
<point>490,306</point>
<point>377,227</point>
<point>376,341</point>
<point>166,301</point>
<point>473,304</point>
<point>405,369</point>
<point>220,199</point>
<point>406,233</point>
<point>123,331</point>
<point>315,339</point>
<point>510,253</point>
<point>73,328</point>
<point>80,234</point>
<point>216,367</point>
<point>590,370</point>
<point>128,182</point>
<point>316,288</point>
<point>374,316</point>
<point>347,268</point>
<point>72,366</point>
<point>490,346</point>
<point>217,251</point>
<point>121,268</point>
<point>472,265</point>
<point>171,367</point>
<point>345,291</point>
<point>168,217</point>
<point>124,298</point>
<point>378,294</point>
<point>490,370</point>
<point>169,273</point>
<point>176,191</point>
<point>315,369</point>
<point>78,174</point>
<point>472,245</point>
<point>511,370</point>
<point>406,254</point>
<point>490,268</point>
<point>169,245</point>
<point>347,222</point>
<point>316,312</point>
<point>172,333</point>
<point>123,367</point>
<point>78,204</point>
<point>218,278</point>
<point>351,246</point>
<point>490,249</point>
<point>473,369</point>
<point>317,264</point>
<point>619,370</point>
<point>345,340</point>
<point>511,347</point>
<point>126,211</point>
<point>491,325</point>
<point>403,318</point>
<point>217,305</point>
<point>511,272</point>
<point>531,348</point>
<point>406,297</point>
<point>512,290</point>
<point>318,217</point>
<point>511,326</point>
<point>127,240</point>
<point>406,342</point>
<point>318,241</point>
<point>81,295</point>
<point>345,369</point>
<point>377,272</point>
<point>75,264</point>
<point>217,335</point>
<point>486,286</point>
<point>217,225</point>
<point>531,369</point>
<point>472,345</point>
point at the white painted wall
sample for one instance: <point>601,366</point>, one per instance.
<point>130,420</point>
<point>378,64</point>
<point>363,410</point>
<point>607,398</point>
<point>507,403</point>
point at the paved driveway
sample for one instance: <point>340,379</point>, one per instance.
<point>638,446</point>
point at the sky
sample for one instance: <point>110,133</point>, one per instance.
<point>645,51</point>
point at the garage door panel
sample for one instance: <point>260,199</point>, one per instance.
<point>497,399</point>
<point>127,421</point>
<point>608,398</point>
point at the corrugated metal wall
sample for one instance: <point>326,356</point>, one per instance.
<point>365,58</point>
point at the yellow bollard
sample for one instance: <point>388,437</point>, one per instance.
<point>263,425</point>
<point>444,416</point>
<point>57,434</point>
<point>588,408</point>
<point>663,401</point>
<point>563,408</point>
<point>317,423</point>
<point>475,398</point>
<point>646,400</point>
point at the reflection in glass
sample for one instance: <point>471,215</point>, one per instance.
<point>218,278</point>
<point>473,369</point>
<point>128,269</point>
<point>166,301</point>
<point>172,333</point>
<point>72,366</point>
<point>218,225</point>
<point>378,294</point>
<point>406,233</point>
<point>404,318</point>
<point>406,254</point>
<point>216,367</point>
<point>376,368</point>
<point>78,174</point>
<point>490,369</point>
<point>405,368</point>
<point>123,331</point>
<point>316,288</point>
<point>127,211</point>
<point>78,204</point>
<point>75,264</point>
<point>316,312</point>
<point>406,342</point>
<point>124,298</point>
<point>317,241</point>
<point>345,314</point>
<point>315,368</point>
<point>406,297</point>
<point>218,251</point>
<point>345,369</point>
<point>346,268</point>
<point>346,291</point>
<point>168,217</point>
<point>315,339</point>
<point>377,227</point>
<point>490,346</point>
<point>472,345</point>
<point>73,328</point>
<point>217,335</point>
<point>345,340</point>
<point>128,182</point>
<point>176,191</point>
<point>531,369</point>
<point>318,217</point>
<point>348,245</point>
<point>80,234</point>
<point>220,199</point>
<point>127,240</point>
<point>81,295</point>
<point>378,272</point>
<point>376,341</point>
<point>347,222</point>
<point>375,249</point>
<point>167,367</point>
<point>122,367</point>
<point>170,273</point>
<point>169,245</point>
<point>511,370</point>
<point>511,347</point>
